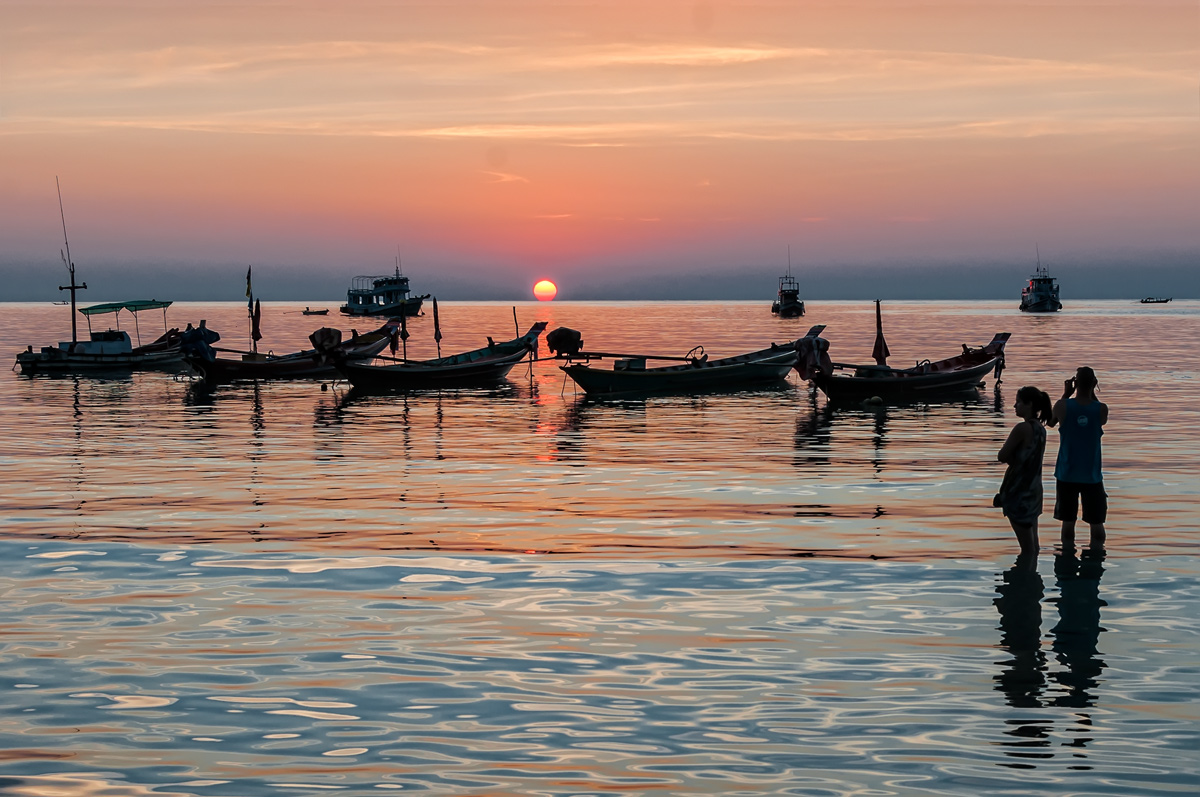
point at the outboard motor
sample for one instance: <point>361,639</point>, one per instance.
<point>325,340</point>
<point>564,342</point>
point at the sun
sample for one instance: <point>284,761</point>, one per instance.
<point>545,290</point>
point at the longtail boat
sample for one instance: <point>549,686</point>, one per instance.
<point>630,375</point>
<point>478,367</point>
<point>315,363</point>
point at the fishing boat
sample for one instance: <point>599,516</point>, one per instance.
<point>386,295</point>
<point>314,363</point>
<point>110,349</point>
<point>106,350</point>
<point>1041,294</point>
<point>310,311</point>
<point>479,367</point>
<point>1155,300</point>
<point>788,304</point>
<point>954,375</point>
<point>630,375</point>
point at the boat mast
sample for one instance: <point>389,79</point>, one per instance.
<point>70,264</point>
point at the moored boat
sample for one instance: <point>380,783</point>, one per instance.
<point>311,311</point>
<point>958,374</point>
<point>478,367</point>
<point>385,295</point>
<point>630,376</point>
<point>314,363</point>
<point>106,350</point>
<point>1155,300</point>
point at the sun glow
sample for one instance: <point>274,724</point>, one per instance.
<point>545,290</point>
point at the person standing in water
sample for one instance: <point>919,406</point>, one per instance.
<point>1080,417</point>
<point>1021,491</point>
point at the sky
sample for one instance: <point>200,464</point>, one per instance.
<point>654,149</point>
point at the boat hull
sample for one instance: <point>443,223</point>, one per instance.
<point>56,361</point>
<point>770,366</point>
<point>309,364</point>
<point>476,368</point>
<point>1041,305</point>
<point>409,307</point>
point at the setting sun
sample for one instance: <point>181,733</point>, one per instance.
<point>545,290</point>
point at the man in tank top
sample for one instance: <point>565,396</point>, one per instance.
<point>1080,417</point>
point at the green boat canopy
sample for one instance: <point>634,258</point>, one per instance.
<point>135,306</point>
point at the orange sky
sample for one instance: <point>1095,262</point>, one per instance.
<point>498,141</point>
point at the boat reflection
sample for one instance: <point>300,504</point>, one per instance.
<point>1026,679</point>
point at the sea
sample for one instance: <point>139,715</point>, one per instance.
<point>286,588</point>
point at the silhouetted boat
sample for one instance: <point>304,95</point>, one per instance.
<point>478,367</point>
<point>387,295</point>
<point>629,375</point>
<point>111,349</point>
<point>926,379</point>
<point>1155,300</point>
<point>314,363</point>
<point>1041,294</point>
<point>310,311</point>
<point>788,304</point>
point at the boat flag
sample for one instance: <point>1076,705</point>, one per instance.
<point>437,327</point>
<point>880,352</point>
<point>255,318</point>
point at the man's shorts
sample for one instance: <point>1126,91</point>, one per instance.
<point>1068,496</point>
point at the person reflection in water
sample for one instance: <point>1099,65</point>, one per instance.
<point>1025,678</point>
<point>1021,491</point>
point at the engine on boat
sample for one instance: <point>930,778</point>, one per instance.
<point>564,342</point>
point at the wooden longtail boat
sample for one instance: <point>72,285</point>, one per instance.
<point>629,375</point>
<point>315,363</point>
<point>483,366</point>
<point>952,375</point>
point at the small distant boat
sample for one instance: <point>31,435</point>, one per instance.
<point>386,295</point>
<point>1041,294</point>
<point>310,311</point>
<point>629,375</point>
<point>788,304</point>
<point>315,363</point>
<point>953,375</point>
<point>476,368</point>
<point>1155,300</point>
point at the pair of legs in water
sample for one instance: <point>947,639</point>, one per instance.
<point>1027,536</point>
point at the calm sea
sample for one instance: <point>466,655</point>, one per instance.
<point>287,589</point>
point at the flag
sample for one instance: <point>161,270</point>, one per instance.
<point>249,293</point>
<point>880,352</point>
<point>255,317</point>
<point>437,327</point>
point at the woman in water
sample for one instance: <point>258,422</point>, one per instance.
<point>1021,491</point>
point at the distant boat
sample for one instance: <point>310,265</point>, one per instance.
<point>476,368</point>
<point>387,295</point>
<point>788,304</point>
<point>310,311</point>
<point>1041,294</point>
<point>1155,300</point>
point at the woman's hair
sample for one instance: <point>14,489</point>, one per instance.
<point>1043,410</point>
<point>1085,377</point>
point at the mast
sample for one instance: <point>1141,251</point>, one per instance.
<point>70,264</point>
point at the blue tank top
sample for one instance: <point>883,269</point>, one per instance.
<point>1079,444</point>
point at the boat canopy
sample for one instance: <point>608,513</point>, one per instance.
<point>135,306</point>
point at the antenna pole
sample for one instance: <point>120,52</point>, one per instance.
<point>70,266</point>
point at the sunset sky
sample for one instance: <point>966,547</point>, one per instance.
<point>623,149</point>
